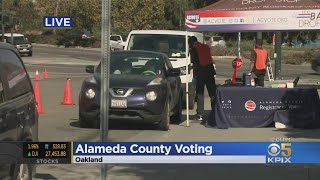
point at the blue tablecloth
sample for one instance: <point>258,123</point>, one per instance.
<point>260,107</point>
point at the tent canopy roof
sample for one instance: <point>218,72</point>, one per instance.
<point>255,15</point>
<point>245,5</point>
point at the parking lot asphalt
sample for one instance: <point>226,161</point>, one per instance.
<point>59,123</point>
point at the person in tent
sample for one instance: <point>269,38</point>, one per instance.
<point>259,60</point>
<point>204,72</point>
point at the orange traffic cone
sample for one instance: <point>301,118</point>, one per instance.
<point>45,74</point>
<point>67,99</point>
<point>37,76</point>
<point>38,98</point>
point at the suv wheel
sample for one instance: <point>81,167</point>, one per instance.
<point>83,123</point>
<point>164,124</point>
<point>176,117</point>
<point>23,172</point>
<point>30,54</point>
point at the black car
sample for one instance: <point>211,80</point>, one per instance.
<point>18,113</point>
<point>315,65</point>
<point>144,87</point>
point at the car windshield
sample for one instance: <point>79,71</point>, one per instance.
<point>17,40</point>
<point>171,45</point>
<point>135,64</point>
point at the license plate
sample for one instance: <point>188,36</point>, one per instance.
<point>24,49</point>
<point>119,103</point>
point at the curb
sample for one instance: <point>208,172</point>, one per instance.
<point>50,45</point>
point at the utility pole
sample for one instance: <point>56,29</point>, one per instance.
<point>278,55</point>
<point>180,14</point>
<point>11,29</point>
<point>105,70</point>
<point>2,20</point>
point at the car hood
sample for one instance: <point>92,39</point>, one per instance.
<point>127,80</point>
<point>178,62</point>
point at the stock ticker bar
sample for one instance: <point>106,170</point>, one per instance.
<point>47,152</point>
<point>35,152</point>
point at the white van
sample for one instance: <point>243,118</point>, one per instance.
<point>172,43</point>
<point>20,42</point>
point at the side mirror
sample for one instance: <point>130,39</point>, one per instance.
<point>90,69</point>
<point>175,72</point>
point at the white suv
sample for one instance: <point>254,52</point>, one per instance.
<point>20,42</point>
<point>172,43</point>
<point>216,41</point>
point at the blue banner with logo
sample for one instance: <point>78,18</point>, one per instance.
<point>261,107</point>
<point>257,152</point>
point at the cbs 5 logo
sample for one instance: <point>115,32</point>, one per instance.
<point>285,149</point>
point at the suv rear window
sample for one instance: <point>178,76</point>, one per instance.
<point>164,43</point>
<point>115,38</point>
<point>16,74</point>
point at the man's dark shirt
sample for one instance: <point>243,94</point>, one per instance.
<point>199,71</point>
<point>194,60</point>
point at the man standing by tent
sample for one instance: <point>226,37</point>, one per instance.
<point>258,65</point>
<point>204,72</point>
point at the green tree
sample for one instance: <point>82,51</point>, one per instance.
<point>137,14</point>
<point>24,11</point>
<point>85,14</point>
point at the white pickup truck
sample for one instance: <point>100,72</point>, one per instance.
<point>172,43</point>
<point>117,42</point>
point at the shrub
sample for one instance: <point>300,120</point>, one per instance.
<point>96,44</point>
<point>218,51</point>
<point>86,42</point>
<point>48,32</point>
<point>72,41</point>
<point>31,38</point>
<point>298,58</point>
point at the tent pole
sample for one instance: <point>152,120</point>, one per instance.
<point>278,54</point>
<point>259,35</point>
<point>239,45</point>
<point>187,78</point>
